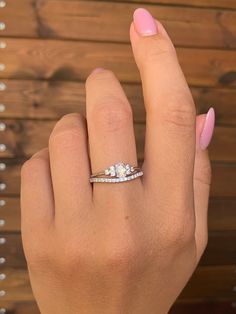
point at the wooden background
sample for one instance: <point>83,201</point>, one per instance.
<point>47,49</point>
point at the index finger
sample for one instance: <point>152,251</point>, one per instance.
<point>170,120</point>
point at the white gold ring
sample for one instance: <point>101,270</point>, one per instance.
<point>116,173</point>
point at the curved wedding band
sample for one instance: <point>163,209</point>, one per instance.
<point>116,173</point>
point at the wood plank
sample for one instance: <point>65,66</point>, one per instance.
<point>226,4</point>
<point>83,17</point>
<point>212,307</point>
<point>53,99</point>
<point>220,250</point>
<point>73,61</point>
<point>208,283</point>
<point>221,214</point>
<point>211,283</point>
<point>17,286</point>
<point>20,139</point>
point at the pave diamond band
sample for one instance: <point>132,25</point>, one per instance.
<point>119,172</point>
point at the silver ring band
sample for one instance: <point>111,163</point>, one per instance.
<point>116,180</point>
<point>116,173</point>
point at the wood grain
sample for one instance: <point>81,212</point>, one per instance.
<point>206,283</point>
<point>73,61</point>
<point>221,214</point>
<point>226,4</point>
<point>24,137</point>
<point>25,19</point>
<point>36,99</point>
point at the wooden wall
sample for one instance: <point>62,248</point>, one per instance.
<point>47,49</point>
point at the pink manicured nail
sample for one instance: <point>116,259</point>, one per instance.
<point>144,23</point>
<point>97,70</point>
<point>208,129</point>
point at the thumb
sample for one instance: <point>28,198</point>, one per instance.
<point>202,176</point>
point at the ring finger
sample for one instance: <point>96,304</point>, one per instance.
<point>110,126</point>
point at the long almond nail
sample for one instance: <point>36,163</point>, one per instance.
<point>144,23</point>
<point>208,129</point>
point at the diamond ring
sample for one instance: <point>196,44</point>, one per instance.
<point>116,173</point>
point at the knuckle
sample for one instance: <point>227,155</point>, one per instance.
<point>69,119</point>
<point>96,77</point>
<point>33,166</point>
<point>205,175</point>
<point>180,236</point>
<point>121,259</point>
<point>112,114</point>
<point>156,47</point>
<point>69,127</point>
<point>180,117</point>
<point>37,258</point>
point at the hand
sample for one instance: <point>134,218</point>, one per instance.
<point>126,248</point>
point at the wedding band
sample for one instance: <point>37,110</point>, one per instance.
<point>116,173</point>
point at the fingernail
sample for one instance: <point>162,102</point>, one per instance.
<point>97,70</point>
<point>144,23</point>
<point>208,129</point>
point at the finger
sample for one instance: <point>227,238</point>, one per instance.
<point>171,114</point>
<point>37,200</point>
<point>70,167</point>
<point>110,125</point>
<point>202,177</point>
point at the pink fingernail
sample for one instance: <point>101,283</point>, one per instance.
<point>208,129</point>
<point>97,70</point>
<point>144,23</point>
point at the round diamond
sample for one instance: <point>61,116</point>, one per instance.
<point>128,169</point>
<point>121,170</point>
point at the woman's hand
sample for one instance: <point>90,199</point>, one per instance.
<point>126,248</point>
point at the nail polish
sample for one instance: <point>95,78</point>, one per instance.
<point>208,129</point>
<point>96,70</point>
<point>144,23</point>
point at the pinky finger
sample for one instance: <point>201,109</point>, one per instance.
<point>37,200</point>
<point>202,178</point>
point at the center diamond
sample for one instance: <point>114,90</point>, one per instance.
<point>121,170</point>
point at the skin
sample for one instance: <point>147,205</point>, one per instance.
<point>126,248</point>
